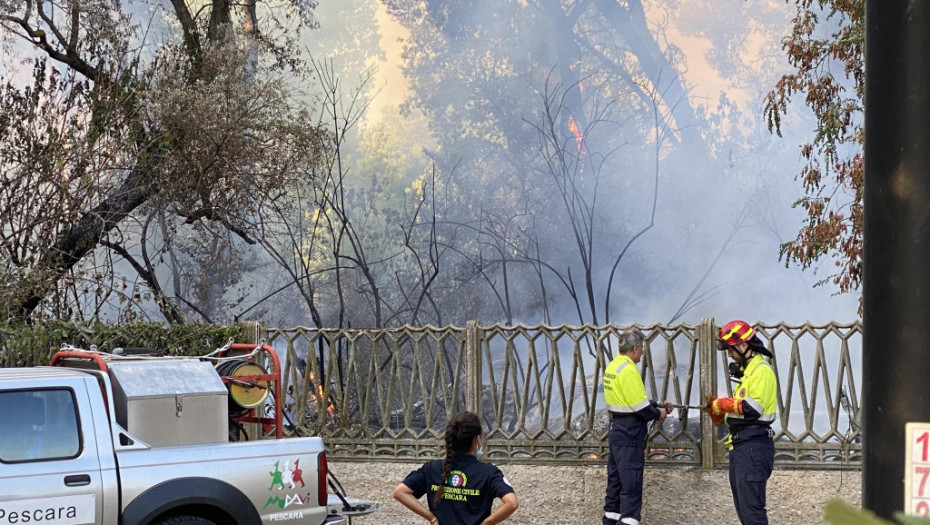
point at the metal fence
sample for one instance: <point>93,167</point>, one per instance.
<point>388,393</point>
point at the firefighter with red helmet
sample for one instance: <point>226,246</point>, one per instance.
<point>749,415</point>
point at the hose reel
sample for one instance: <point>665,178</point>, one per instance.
<point>246,389</point>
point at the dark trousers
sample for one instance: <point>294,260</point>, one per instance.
<point>750,467</point>
<point>625,464</point>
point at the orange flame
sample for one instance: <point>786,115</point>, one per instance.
<point>316,396</point>
<point>573,127</point>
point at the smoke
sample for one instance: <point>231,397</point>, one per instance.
<point>604,163</point>
<point>693,191</point>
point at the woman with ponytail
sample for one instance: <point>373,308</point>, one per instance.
<point>459,489</point>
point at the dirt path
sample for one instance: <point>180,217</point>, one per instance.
<point>575,495</point>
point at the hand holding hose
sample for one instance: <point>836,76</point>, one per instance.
<point>712,408</point>
<point>710,398</point>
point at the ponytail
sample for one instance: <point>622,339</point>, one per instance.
<point>459,436</point>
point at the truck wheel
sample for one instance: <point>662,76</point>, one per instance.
<point>184,520</point>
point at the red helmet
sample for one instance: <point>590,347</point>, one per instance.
<point>733,333</point>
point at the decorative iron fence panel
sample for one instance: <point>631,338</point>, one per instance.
<point>387,393</point>
<point>818,369</point>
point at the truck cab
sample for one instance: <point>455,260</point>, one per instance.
<point>58,466</point>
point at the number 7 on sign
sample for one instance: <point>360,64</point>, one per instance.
<point>920,480</point>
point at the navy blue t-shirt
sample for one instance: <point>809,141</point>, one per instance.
<point>470,489</point>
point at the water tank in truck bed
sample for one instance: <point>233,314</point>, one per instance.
<point>170,402</point>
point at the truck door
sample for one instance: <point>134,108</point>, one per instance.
<point>50,471</point>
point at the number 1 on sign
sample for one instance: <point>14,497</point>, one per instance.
<point>921,450</point>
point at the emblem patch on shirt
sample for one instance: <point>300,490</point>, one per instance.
<point>742,392</point>
<point>455,488</point>
<point>457,479</point>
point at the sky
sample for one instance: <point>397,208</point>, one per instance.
<point>389,75</point>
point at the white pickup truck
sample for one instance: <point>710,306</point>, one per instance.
<point>74,450</point>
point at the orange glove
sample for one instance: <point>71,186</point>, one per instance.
<point>710,402</point>
<point>712,408</point>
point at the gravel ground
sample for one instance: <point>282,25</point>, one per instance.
<point>575,495</point>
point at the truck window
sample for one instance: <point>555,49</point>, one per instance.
<point>38,425</point>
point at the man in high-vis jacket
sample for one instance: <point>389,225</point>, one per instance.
<point>630,412</point>
<point>749,415</point>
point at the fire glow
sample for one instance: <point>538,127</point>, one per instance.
<point>315,396</point>
<point>573,127</point>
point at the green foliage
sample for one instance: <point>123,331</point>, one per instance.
<point>837,512</point>
<point>826,51</point>
<point>33,345</point>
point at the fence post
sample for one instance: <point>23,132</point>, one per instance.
<point>472,367</point>
<point>707,366</point>
<point>252,332</point>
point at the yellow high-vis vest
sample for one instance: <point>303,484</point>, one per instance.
<point>624,391</point>
<point>758,389</point>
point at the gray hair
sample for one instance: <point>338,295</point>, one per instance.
<point>630,338</point>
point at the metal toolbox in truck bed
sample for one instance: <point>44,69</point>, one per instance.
<point>170,402</point>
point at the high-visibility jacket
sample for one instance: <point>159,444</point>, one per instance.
<point>757,390</point>
<point>624,391</point>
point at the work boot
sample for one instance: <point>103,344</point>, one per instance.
<point>629,521</point>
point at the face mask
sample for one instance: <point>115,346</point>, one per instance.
<point>479,453</point>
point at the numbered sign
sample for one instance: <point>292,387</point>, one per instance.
<point>917,470</point>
